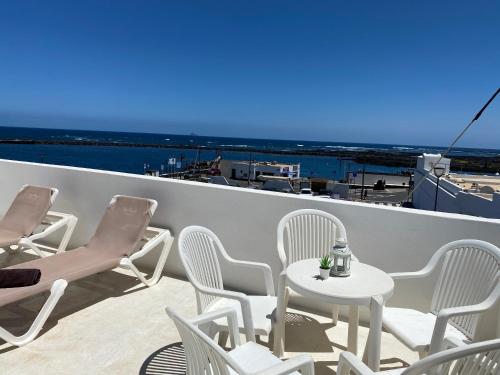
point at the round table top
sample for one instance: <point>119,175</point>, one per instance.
<point>364,283</point>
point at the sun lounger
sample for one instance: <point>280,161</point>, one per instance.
<point>29,220</point>
<point>122,229</point>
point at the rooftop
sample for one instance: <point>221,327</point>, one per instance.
<point>481,185</point>
<point>111,324</point>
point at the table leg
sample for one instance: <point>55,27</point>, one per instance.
<point>372,350</point>
<point>335,314</point>
<point>352,336</point>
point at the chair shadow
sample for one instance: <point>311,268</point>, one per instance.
<point>17,317</point>
<point>169,360</point>
<point>12,257</point>
<point>306,334</point>
<point>397,363</point>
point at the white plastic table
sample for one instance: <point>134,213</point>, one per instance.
<point>366,286</point>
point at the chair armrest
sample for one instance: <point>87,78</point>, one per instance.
<point>451,312</point>
<point>410,275</point>
<point>446,314</point>
<point>244,301</point>
<point>427,270</point>
<point>232,322</point>
<point>349,362</point>
<point>265,268</point>
<point>302,362</point>
<point>163,236</point>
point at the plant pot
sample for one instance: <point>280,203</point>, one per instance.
<point>324,273</point>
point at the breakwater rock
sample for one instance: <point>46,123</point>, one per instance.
<point>477,164</point>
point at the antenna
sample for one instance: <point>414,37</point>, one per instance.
<point>476,117</point>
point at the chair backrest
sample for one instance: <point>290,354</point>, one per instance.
<point>198,250</point>
<point>482,358</point>
<point>28,209</point>
<point>470,271</point>
<point>203,355</point>
<point>123,225</point>
<point>306,234</point>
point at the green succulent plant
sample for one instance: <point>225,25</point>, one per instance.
<point>325,262</point>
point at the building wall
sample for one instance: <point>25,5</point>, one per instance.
<point>391,238</point>
<point>451,198</point>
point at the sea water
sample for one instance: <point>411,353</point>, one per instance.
<point>133,159</point>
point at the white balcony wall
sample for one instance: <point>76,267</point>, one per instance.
<point>393,239</point>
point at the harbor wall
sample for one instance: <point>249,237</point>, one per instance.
<point>391,238</point>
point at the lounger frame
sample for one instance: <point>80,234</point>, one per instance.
<point>52,222</point>
<point>153,238</point>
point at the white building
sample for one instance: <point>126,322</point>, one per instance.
<point>240,170</point>
<point>457,193</point>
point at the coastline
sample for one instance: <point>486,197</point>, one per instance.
<point>473,164</point>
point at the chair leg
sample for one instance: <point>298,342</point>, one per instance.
<point>422,354</point>
<point>335,314</point>
<point>56,292</point>
<point>352,340</point>
<point>223,336</point>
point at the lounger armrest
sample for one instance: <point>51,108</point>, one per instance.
<point>242,298</point>
<point>264,268</point>
<point>64,219</point>
<point>303,363</point>
<point>163,235</point>
<point>349,362</point>
<point>232,322</point>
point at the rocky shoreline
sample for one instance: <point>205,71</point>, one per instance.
<point>475,164</point>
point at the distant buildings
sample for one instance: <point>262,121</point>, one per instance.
<point>459,193</point>
<point>243,170</point>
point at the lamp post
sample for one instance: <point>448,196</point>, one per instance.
<point>438,172</point>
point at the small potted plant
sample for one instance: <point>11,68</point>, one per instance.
<point>325,263</point>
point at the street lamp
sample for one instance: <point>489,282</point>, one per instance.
<point>438,172</point>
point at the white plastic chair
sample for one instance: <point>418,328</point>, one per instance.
<point>482,358</point>
<point>200,252</point>
<point>205,357</point>
<point>305,234</point>
<point>468,284</point>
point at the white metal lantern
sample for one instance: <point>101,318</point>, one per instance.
<point>341,255</point>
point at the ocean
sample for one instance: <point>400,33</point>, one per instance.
<point>134,159</point>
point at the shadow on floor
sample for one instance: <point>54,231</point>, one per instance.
<point>392,363</point>
<point>169,360</point>
<point>305,334</point>
<point>18,317</point>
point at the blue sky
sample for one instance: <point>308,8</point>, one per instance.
<point>410,72</point>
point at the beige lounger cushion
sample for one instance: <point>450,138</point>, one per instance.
<point>9,237</point>
<point>122,226</point>
<point>25,214</point>
<point>70,265</point>
<point>117,235</point>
